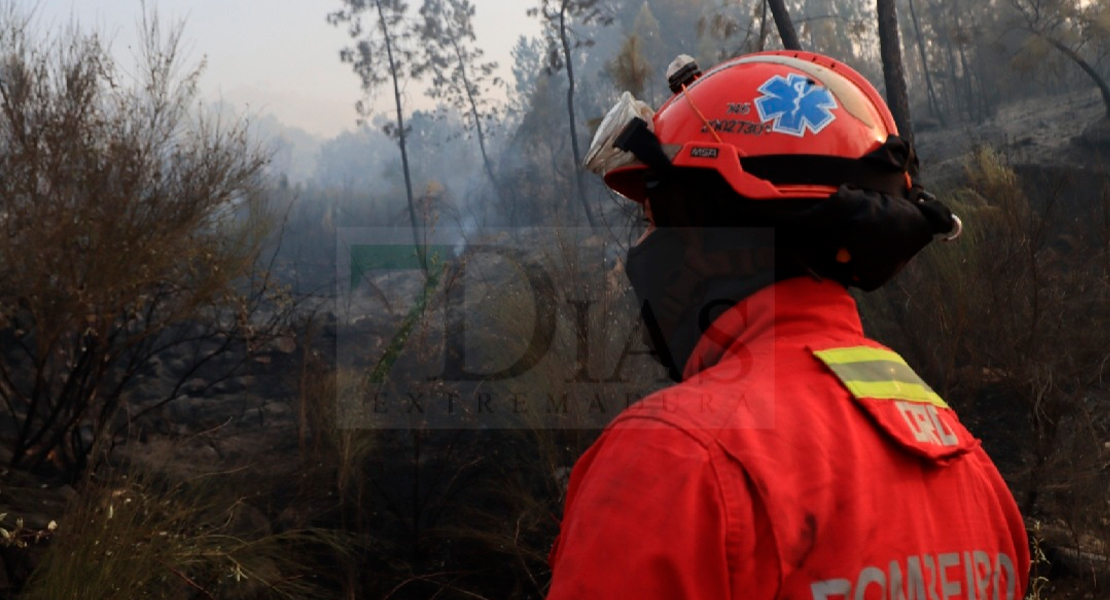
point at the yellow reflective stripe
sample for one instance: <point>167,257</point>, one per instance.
<point>878,374</point>
<point>876,370</point>
<point>895,390</point>
<point>839,356</point>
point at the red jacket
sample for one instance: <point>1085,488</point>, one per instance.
<point>797,460</point>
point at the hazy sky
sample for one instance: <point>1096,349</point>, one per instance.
<point>277,56</point>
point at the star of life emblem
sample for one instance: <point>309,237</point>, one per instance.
<point>795,103</point>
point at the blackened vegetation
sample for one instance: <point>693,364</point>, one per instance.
<point>170,359</point>
<point>1009,326</point>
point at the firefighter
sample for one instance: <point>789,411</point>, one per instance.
<point>795,458</point>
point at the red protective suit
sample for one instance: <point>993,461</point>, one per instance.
<point>797,460</point>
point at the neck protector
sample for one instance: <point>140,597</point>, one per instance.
<point>684,278</point>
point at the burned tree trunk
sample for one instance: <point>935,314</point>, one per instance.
<point>894,74</point>
<point>934,104</point>
<point>784,25</point>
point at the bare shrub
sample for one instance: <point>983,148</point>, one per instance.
<point>131,228</point>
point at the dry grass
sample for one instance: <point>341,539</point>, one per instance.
<point>136,535</point>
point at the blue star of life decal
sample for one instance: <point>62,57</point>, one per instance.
<point>795,103</point>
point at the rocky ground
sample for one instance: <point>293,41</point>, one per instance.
<point>246,423</point>
<point>1064,131</point>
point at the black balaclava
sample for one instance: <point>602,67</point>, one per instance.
<point>713,249</point>
<point>684,278</point>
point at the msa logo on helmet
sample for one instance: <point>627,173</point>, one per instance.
<point>795,103</point>
<point>698,152</point>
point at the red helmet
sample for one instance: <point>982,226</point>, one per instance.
<point>774,125</point>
